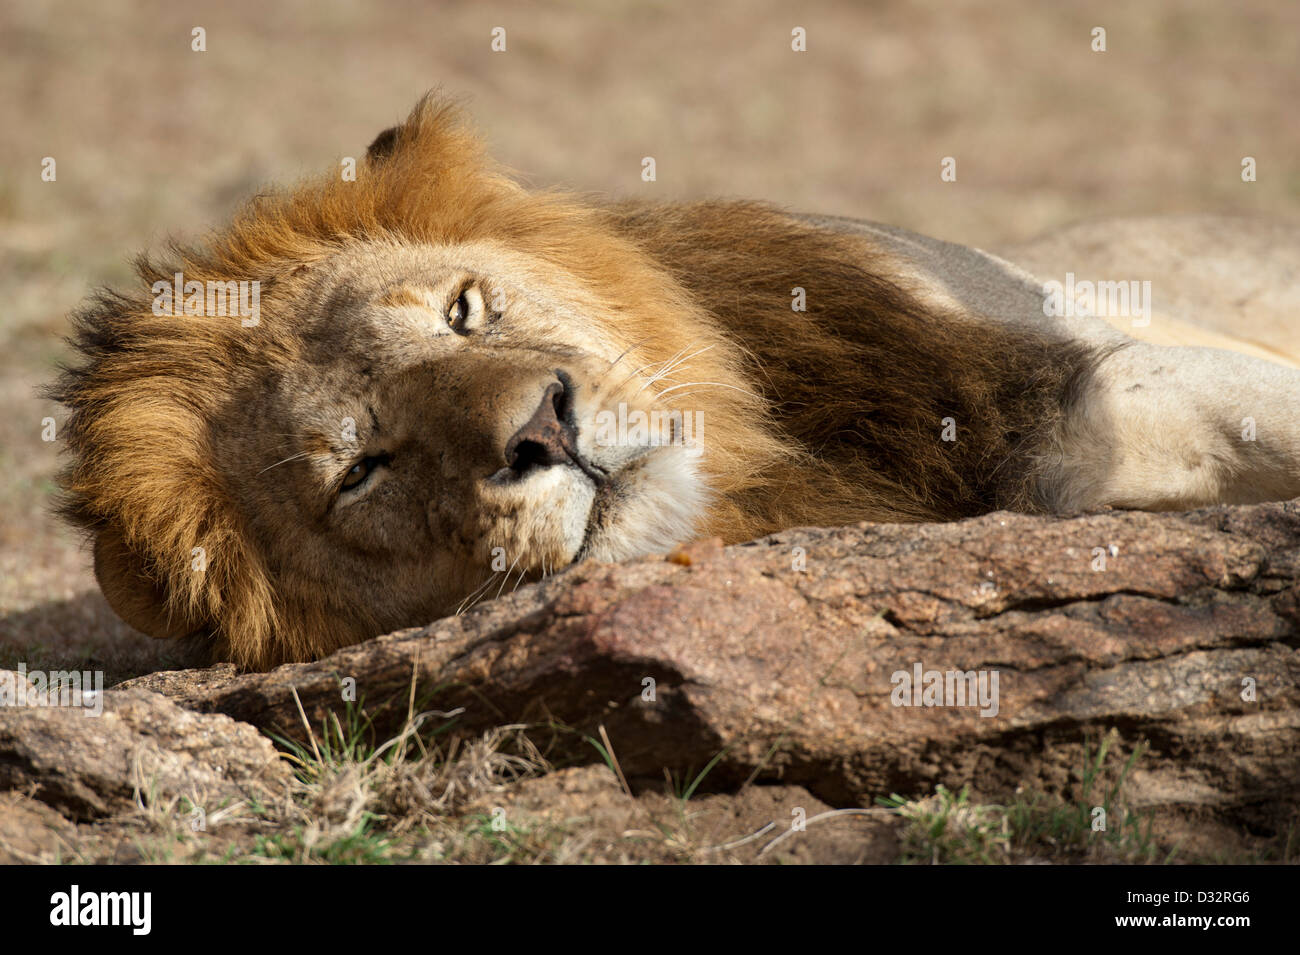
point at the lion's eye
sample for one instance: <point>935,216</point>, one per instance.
<point>459,309</point>
<point>465,312</point>
<point>358,473</point>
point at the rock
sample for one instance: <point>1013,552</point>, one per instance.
<point>30,831</point>
<point>93,766</point>
<point>781,656</point>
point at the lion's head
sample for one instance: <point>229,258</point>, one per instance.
<point>439,384</point>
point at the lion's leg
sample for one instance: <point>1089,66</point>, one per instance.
<point>1161,428</point>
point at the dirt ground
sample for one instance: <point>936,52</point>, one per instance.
<point>152,139</point>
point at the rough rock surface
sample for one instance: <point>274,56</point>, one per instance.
<point>92,766</point>
<point>1177,629</point>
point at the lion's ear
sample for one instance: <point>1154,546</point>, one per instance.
<point>132,592</point>
<point>383,145</point>
<point>438,135</point>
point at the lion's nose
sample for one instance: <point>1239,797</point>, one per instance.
<point>547,437</point>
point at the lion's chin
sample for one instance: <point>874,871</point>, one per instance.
<point>559,516</point>
<point>650,506</point>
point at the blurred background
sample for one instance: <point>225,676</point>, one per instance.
<point>153,140</point>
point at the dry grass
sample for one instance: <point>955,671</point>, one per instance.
<point>494,799</point>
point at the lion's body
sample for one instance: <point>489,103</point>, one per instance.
<point>419,415</point>
<point>1199,404</point>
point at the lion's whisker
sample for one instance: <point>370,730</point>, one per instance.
<point>509,570</point>
<point>676,363</point>
<point>628,351</point>
<point>679,362</point>
<point>654,364</point>
<point>522,574</point>
<point>292,457</point>
<point>483,592</point>
<point>715,384</point>
<point>475,592</point>
<point>636,372</point>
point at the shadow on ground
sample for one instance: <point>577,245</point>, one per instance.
<point>83,633</point>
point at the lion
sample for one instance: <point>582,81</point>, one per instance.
<point>368,402</point>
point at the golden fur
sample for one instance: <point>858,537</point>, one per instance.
<point>178,424</point>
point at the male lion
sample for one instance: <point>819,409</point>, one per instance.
<point>449,381</point>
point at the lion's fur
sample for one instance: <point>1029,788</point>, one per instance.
<point>865,381</point>
<point>820,418</point>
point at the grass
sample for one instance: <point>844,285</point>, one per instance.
<point>363,802</point>
<point>684,793</point>
<point>357,800</point>
<point>365,845</point>
<point>420,796</point>
<point>948,828</point>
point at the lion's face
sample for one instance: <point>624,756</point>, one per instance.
<point>447,426</point>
